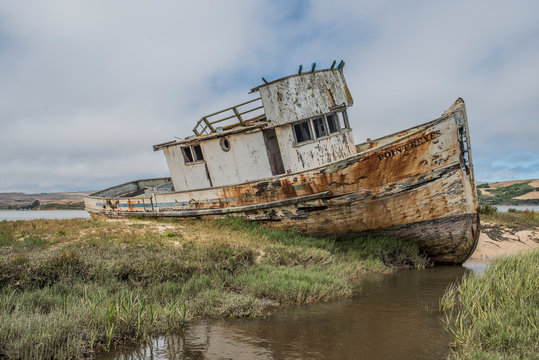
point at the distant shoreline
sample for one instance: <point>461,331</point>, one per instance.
<point>52,207</point>
<point>44,201</point>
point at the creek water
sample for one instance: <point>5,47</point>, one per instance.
<point>394,317</point>
<point>505,208</point>
<point>13,215</point>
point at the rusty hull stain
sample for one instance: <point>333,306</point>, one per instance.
<point>409,157</point>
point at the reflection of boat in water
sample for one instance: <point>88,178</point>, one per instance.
<point>289,161</point>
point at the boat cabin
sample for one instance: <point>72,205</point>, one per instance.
<point>298,122</point>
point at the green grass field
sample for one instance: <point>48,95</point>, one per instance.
<point>505,195</point>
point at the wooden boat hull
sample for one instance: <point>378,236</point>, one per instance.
<point>416,185</point>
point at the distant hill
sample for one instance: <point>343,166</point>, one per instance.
<point>515,192</point>
<point>59,200</point>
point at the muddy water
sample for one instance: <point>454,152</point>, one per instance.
<point>395,317</point>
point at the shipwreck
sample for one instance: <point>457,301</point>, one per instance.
<point>288,159</point>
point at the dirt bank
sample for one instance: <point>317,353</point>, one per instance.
<point>499,240</point>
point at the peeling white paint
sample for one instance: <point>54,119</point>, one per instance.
<point>302,96</point>
<point>314,153</point>
<point>185,176</point>
<point>246,160</point>
<point>286,100</point>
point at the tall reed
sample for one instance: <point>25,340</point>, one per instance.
<point>495,315</point>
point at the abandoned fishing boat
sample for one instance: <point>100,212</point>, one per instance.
<point>288,159</point>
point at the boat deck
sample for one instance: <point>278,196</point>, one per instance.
<point>137,189</point>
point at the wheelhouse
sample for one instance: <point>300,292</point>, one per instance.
<point>298,122</point>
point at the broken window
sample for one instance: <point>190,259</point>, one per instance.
<point>319,127</point>
<point>192,154</point>
<point>333,123</point>
<point>302,131</point>
<point>343,120</point>
<point>322,126</point>
<point>198,153</point>
<point>187,154</point>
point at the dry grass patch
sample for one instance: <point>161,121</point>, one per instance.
<point>529,196</point>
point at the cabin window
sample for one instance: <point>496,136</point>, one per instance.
<point>198,153</point>
<point>192,154</point>
<point>225,144</point>
<point>302,131</point>
<point>333,123</point>
<point>343,120</point>
<point>187,154</point>
<point>319,127</point>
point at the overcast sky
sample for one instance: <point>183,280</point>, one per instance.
<point>87,87</point>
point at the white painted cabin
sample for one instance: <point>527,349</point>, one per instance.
<point>299,122</point>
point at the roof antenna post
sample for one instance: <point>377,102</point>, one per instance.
<point>265,81</point>
<point>300,67</point>
<point>313,67</point>
<point>341,65</point>
<point>333,65</point>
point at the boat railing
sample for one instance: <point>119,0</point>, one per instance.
<point>230,117</point>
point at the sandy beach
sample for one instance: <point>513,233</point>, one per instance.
<point>498,240</point>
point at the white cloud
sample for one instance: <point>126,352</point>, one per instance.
<point>88,88</point>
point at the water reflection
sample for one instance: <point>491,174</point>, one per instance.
<point>395,317</point>
<point>477,267</point>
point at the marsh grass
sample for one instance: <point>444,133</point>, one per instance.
<point>69,288</point>
<point>297,284</point>
<point>526,219</point>
<point>495,315</point>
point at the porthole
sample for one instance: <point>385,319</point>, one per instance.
<point>225,144</point>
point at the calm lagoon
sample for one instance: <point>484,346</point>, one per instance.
<point>504,208</point>
<point>13,215</point>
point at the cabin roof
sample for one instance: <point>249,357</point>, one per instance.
<point>207,127</point>
<point>291,76</point>
<point>255,126</point>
